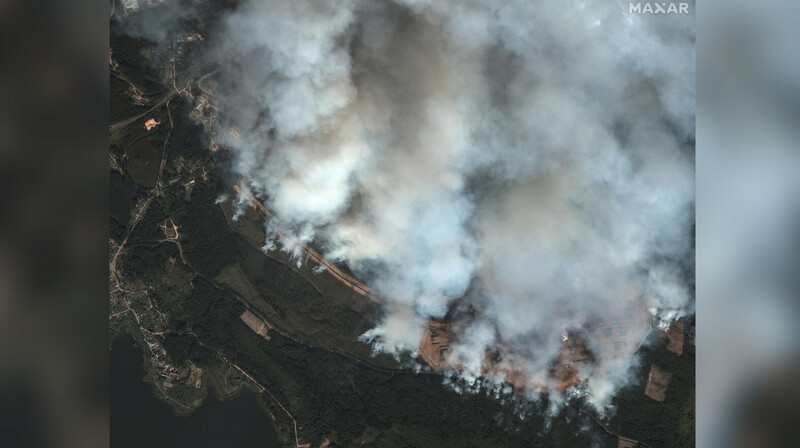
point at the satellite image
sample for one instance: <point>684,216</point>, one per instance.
<point>401,223</point>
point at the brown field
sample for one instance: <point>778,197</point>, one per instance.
<point>621,336</point>
<point>657,383</point>
<point>675,336</point>
<point>256,324</point>
<point>565,372</point>
<point>435,343</point>
<point>616,338</point>
<point>233,277</point>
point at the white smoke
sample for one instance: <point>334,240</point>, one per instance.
<point>535,154</point>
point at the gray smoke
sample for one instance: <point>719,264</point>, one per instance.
<point>530,159</point>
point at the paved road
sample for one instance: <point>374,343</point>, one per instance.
<point>199,69</point>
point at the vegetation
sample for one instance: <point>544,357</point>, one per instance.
<point>312,370</point>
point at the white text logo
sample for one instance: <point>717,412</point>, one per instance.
<point>658,8</point>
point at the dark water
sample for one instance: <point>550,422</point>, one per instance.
<point>139,419</point>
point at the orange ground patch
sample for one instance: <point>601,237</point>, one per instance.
<point>657,383</point>
<point>170,230</point>
<point>151,124</point>
<point>255,324</point>
<point>565,372</point>
<point>675,335</point>
<point>615,338</point>
<point>435,343</point>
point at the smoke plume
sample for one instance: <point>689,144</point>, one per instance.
<point>526,164</point>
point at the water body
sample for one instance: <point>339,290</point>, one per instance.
<point>139,419</point>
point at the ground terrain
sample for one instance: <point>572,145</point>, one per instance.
<point>189,283</point>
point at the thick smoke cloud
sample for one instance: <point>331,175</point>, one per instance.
<point>529,161</point>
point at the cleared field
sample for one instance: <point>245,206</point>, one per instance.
<point>260,327</point>
<point>657,382</point>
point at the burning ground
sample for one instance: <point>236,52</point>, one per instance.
<point>517,176</point>
<point>522,171</point>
